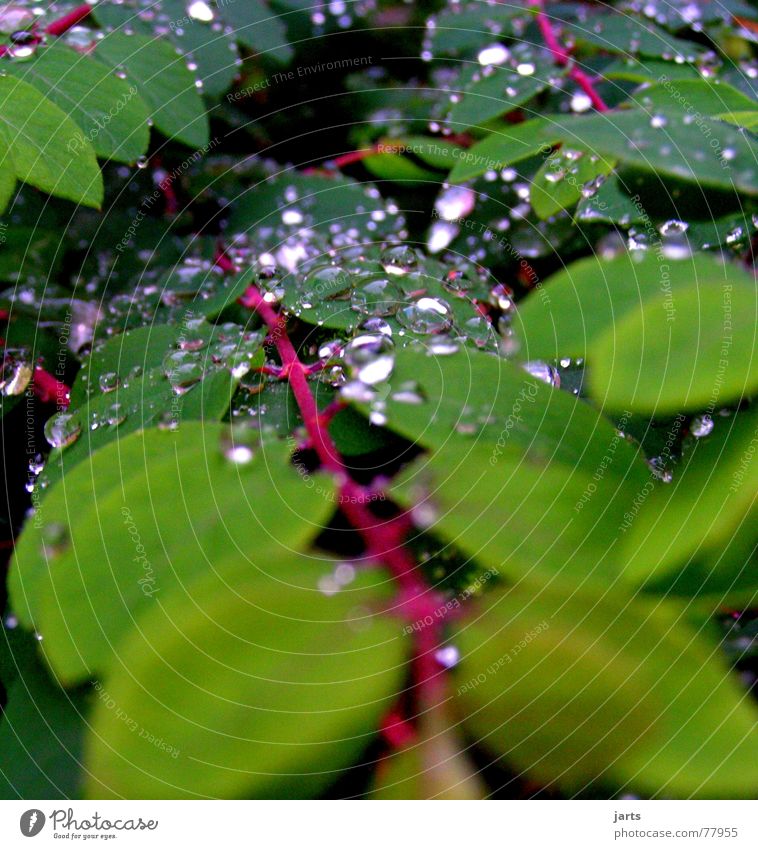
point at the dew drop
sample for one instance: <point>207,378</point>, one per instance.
<point>377,298</point>
<point>63,429</point>
<point>426,315</point>
<point>399,259</point>
<point>108,381</point>
<point>544,372</point>
<point>701,426</point>
<point>370,358</point>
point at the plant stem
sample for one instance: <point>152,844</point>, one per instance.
<point>48,388</point>
<point>65,23</point>
<point>384,538</point>
<point>562,57</point>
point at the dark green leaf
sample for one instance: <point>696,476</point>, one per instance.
<point>45,145</point>
<point>109,112</point>
<point>163,82</point>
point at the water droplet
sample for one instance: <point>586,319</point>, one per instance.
<point>55,539</point>
<point>238,444</point>
<point>408,392</point>
<point>168,420</point>
<point>63,429</point>
<point>116,414</point>
<point>495,54</point>
<point>455,202</point>
<point>580,102</point>
<point>109,381</point>
<point>183,369</point>
<point>448,656</point>
<point>673,227</point>
<point>378,298</point>
<point>399,259</point>
<point>701,426</point>
<point>426,315</point>
<point>16,372</point>
<point>370,358</point>
<point>376,325</point>
<point>198,10</point>
<point>544,372</point>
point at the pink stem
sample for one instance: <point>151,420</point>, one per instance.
<point>48,388</point>
<point>70,20</point>
<point>563,57</point>
<point>384,539</point>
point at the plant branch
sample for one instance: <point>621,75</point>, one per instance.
<point>49,389</point>
<point>384,538</point>
<point>562,57</point>
<point>64,23</point>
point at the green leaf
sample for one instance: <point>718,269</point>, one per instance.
<point>317,202</point>
<point>688,352</point>
<point>520,514</point>
<point>246,684</point>
<point>673,144</point>
<point>7,183</point>
<point>572,686</point>
<point>45,147</point>
<point>571,310</point>
<point>473,399</point>
<point>41,730</point>
<point>164,83</point>
<point>627,35</point>
<point>435,152</point>
<point>610,204</point>
<point>257,27</point>
<point>562,179</point>
<point>127,384</point>
<point>487,93</point>
<point>107,109</point>
<point>390,166</point>
<point>700,98</point>
<point>676,538</point>
<point>648,71</point>
<point>211,48</point>
<point>152,511</point>
<point>506,146</point>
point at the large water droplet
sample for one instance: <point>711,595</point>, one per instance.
<point>198,10</point>
<point>399,259</point>
<point>16,372</point>
<point>426,315</point>
<point>378,298</point>
<point>544,372</point>
<point>370,358</point>
<point>63,429</point>
<point>109,381</point>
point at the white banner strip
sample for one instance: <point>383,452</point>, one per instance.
<point>373,825</point>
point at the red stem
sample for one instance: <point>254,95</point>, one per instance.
<point>562,57</point>
<point>48,388</point>
<point>384,539</point>
<point>65,23</point>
